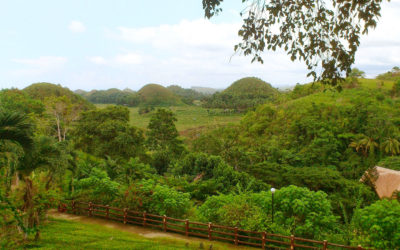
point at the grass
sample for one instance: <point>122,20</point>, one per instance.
<point>65,234</point>
<point>375,83</point>
<point>189,117</point>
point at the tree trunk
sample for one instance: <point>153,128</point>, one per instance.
<point>58,127</point>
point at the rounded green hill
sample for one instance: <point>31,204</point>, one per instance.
<point>157,95</point>
<point>251,86</point>
<point>42,90</point>
<point>243,94</point>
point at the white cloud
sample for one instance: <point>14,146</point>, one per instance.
<point>39,66</point>
<point>129,58</point>
<point>76,27</point>
<point>200,52</point>
<point>380,49</point>
<point>200,34</point>
<point>43,61</point>
<point>97,60</point>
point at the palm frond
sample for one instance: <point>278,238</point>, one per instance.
<point>15,127</point>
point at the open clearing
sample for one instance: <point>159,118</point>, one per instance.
<point>189,117</point>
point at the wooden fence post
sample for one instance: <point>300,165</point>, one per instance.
<point>209,231</point>
<point>90,208</point>
<point>125,214</point>
<point>108,212</point>
<point>144,218</point>
<point>236,235</point>
<point>325,245</point>
<point>292,242</point>
<point>187,227</point>
<point>165,223</point>
<point>264,237</point>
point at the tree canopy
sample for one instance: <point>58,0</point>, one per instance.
<point>323,34</point>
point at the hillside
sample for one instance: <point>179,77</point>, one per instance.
<point>392,75</point>
<point>126,97</point>
<point>188,96</point>
<point>243,94</point>
<point>157,95</point>
<point>43,90</point>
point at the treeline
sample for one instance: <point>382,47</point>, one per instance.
<point>149,95</point>
<point>312,145</point>
<point>242,95</point>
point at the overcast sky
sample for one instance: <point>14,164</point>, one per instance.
<point>100,44</point>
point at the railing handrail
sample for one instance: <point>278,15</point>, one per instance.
<point>143,219</point>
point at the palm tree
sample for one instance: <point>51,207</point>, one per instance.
<point>15,127</point>
<point>364,144</point>
<point>45,154</point>
<point>391,146</point>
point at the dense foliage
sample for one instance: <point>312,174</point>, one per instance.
<point>111,96</point>
<point>312,145</point>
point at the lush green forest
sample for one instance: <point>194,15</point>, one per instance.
<point>312,144</point>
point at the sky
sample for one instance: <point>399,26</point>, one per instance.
<point>101,44</point>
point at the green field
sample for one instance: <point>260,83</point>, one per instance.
<point>65,234</point>
<point>189,117</point>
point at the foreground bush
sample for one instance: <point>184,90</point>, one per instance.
<point>378,225</point>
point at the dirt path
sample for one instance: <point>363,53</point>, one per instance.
<point>145,232</point>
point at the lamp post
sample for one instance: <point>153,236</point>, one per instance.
<point>272,192</point>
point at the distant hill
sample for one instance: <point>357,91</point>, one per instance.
<point>42,90</point>
<point>392,75</point>
<point>205,90</point>
<point>243,94</point>
<point>125,97</point>
<point>157,95</point>
<point>80,92</point>
<point>188,96</point>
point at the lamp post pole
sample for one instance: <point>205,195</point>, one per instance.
<point>272,192</point>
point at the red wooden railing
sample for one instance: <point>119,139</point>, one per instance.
<point>198,229</point>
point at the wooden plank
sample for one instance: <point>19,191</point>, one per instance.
<point>198,223</point>
<point>247,231</point>
<point>305,246</point>
<point>176,230</point>
<point>250,243</point>
<point>249,237</point>
<point>223,238</point>
<point>277,241</point>
<point>198,234</point>
<point>134,217</point>
<point>155,216</point>
<point>176,225</point>
<point>224,233</point>
<point>156,221</point>
<point>134,222</point>
<point>173,219</point>
<point>308,240</point>
<point>223,227</point>
<point>200,229</point>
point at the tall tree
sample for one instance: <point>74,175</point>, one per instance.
<point>15,127</point>
<point>162,132</point>
<point>106,132</point>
